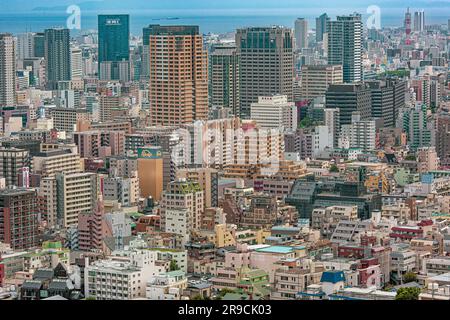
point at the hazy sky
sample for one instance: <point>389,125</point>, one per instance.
<point>12,6</point>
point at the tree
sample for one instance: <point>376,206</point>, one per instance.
<point>410,157</point>
<point>408,294</point>
<point>173,266</point>
<point>223,292</point>
<point>409,277</point>
<point>306,122</point>
<point>334,168</point>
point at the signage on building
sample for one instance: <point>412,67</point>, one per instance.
<point>149,153</point>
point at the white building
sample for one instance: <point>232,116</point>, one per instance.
<point>275,112</point>
<point>166,286</point>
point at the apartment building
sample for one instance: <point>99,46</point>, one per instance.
<point>166,286</point>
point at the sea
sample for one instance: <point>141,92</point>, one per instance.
<point>216,23</point>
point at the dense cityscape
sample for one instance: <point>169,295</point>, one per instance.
<point>268,163</point>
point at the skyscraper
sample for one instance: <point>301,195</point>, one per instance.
<point>267,66</point>
<point>178,75</point>
<point>419,21</point>
<point>321,26</point>
<point>349,98</point>
<point>7,70</point>
<point>114,47</point>
<point>57,56</point>
<point>345,45</point>
<point>301,33</point>
<point>224,78</point>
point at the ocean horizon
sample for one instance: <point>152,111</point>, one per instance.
<point>208,22</point>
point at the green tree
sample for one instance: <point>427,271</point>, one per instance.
<point>222,293</point>
<point>306,122</point>
<point>409,277</point>
<point>334,168</point>
<point>407,294</point>
<point>173,266</point>
<point>410,157</point>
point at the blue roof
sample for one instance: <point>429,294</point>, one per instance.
<point>276,249</point>
<point>332,276</point>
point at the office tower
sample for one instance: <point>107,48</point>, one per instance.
<point>382,102</point>
<point>315,79</point>
<point>150,172</point>
<point>224,79</point>
<point>301,34</point>
<point>7,70</point>
<point>321,26</point>
<point>19,218</point>
<point>39,45</point>
<point>178,75</point>
<point>332,121</point>
<point>349,98</point>
<point>182,206</point>
<point>76,59</point>
<point>267,65</point>
<point>114,47</point>
<point>388,97</point>
<point>275,112</point>
<point>345,45</point>
<point>145,70</point>
<point>419,21</point>
<point>25,45</point>
<point>75,193</point>
<point>12,160</point>
<point>443,136</point>
<point>57,57</point>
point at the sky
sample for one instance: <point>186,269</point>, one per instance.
<point>249,6</point>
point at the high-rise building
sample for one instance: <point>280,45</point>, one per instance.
<point>315,79</point>
<point>443,136</point>
<point>12,160</point>
<point>301,33</point>
<point>25,45</point>
<point>39,45</point>
<point>275,112</point>
<point>114,47</point>
<point>332,121</point>
<point>76,193</point>
<point>360,134</point>
<point>178,75</point>
<point>150,172</point>
<point>419,21</point>
<point>321,26</point>
<point>345,45</point>
<point>350,98</point>
<point>76,60</point>
<point>267,65</point>
<point>57,57</point>
<point>224,79</point>
<point>7,70</point>
<point>182,206</point>
<point>19,218</point>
